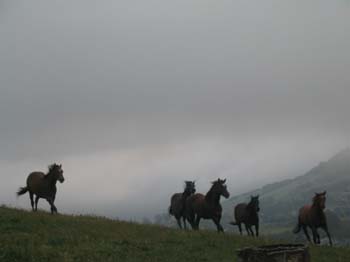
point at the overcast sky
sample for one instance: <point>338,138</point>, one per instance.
<point>134,97</point>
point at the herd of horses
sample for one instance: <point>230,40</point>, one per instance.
<point>191,206</point>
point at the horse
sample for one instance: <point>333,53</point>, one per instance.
<point>43,186</point>
<point>207,206</point>
<point>178,201</point>
<point>314,217</point>
<point>248,215</point>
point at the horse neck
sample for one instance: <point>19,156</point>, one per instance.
<point>250,208</point>
<point>212,197</point>
<point>51,179</point>
<point>316,208</point>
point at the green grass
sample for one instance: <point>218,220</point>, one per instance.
<point>27,236</point>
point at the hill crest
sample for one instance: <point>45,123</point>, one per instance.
<point>280,201</point>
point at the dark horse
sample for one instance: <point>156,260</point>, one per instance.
<point>314,217</point>
<point>43,186</point>
<point>208,207</point>
<point>178,201</point>
<point>248,215</point>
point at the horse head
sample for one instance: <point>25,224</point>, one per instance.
<point>57,171</point>
<point>320,200</point>
<point>190,187</point>
<point>220,188</point>
<point>254,203</point>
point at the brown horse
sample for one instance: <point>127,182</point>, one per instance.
<point>208,207</point>
<point>178,201</point>
<point>314,217</point>
<point>43,186</point>
<point>248,215</point>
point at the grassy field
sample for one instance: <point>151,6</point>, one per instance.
<point>27,236</point>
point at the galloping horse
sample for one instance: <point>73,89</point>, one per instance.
<point>43,186</point>
<point>208,207</point>
<point>314,217</point>
<point>178,201</point>
<point>248,215</point>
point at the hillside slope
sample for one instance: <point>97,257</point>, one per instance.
<point>27,236</point>
<point>281,201</point>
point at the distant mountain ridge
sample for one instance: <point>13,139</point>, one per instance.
<point>281,201</point>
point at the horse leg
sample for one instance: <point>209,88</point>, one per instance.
<point>257,229</point>
<point>53,208</point>
<point>247,229</point>
<point>184,222</point>
<point>251,230</point>
<point>53,201</point>
<point>193,224</point>
<point>31,200</point>
<point>218,225</point>
<point>306,233</point>
<point>314,234</point>
<point>317,236</point>
<point>36,202</point>
<point>190,219</point>
<point>179,222</point>
<point>198,219</point>
<point>325,228</point>
<point>240,228</point>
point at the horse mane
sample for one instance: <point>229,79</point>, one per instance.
<point>51,168</point>
<point>209,194</point>
<point>316,198</point>
<point>188,187</point>
<point>250,204</point>
<point>186,191</point>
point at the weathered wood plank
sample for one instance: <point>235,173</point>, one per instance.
<point>275,253</point>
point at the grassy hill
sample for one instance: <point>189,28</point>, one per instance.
<point>27,236</point>
<point>281,201</point>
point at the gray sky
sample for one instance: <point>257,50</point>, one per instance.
<point>133,97</point>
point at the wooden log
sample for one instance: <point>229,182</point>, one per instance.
<point>275,253</point>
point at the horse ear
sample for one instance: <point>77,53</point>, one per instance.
<point>325,192</point>
<point>224,181</point>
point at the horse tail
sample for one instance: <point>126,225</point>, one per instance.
<point>170,210</point>
<point>297,228</point>
<point>22,191</point>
